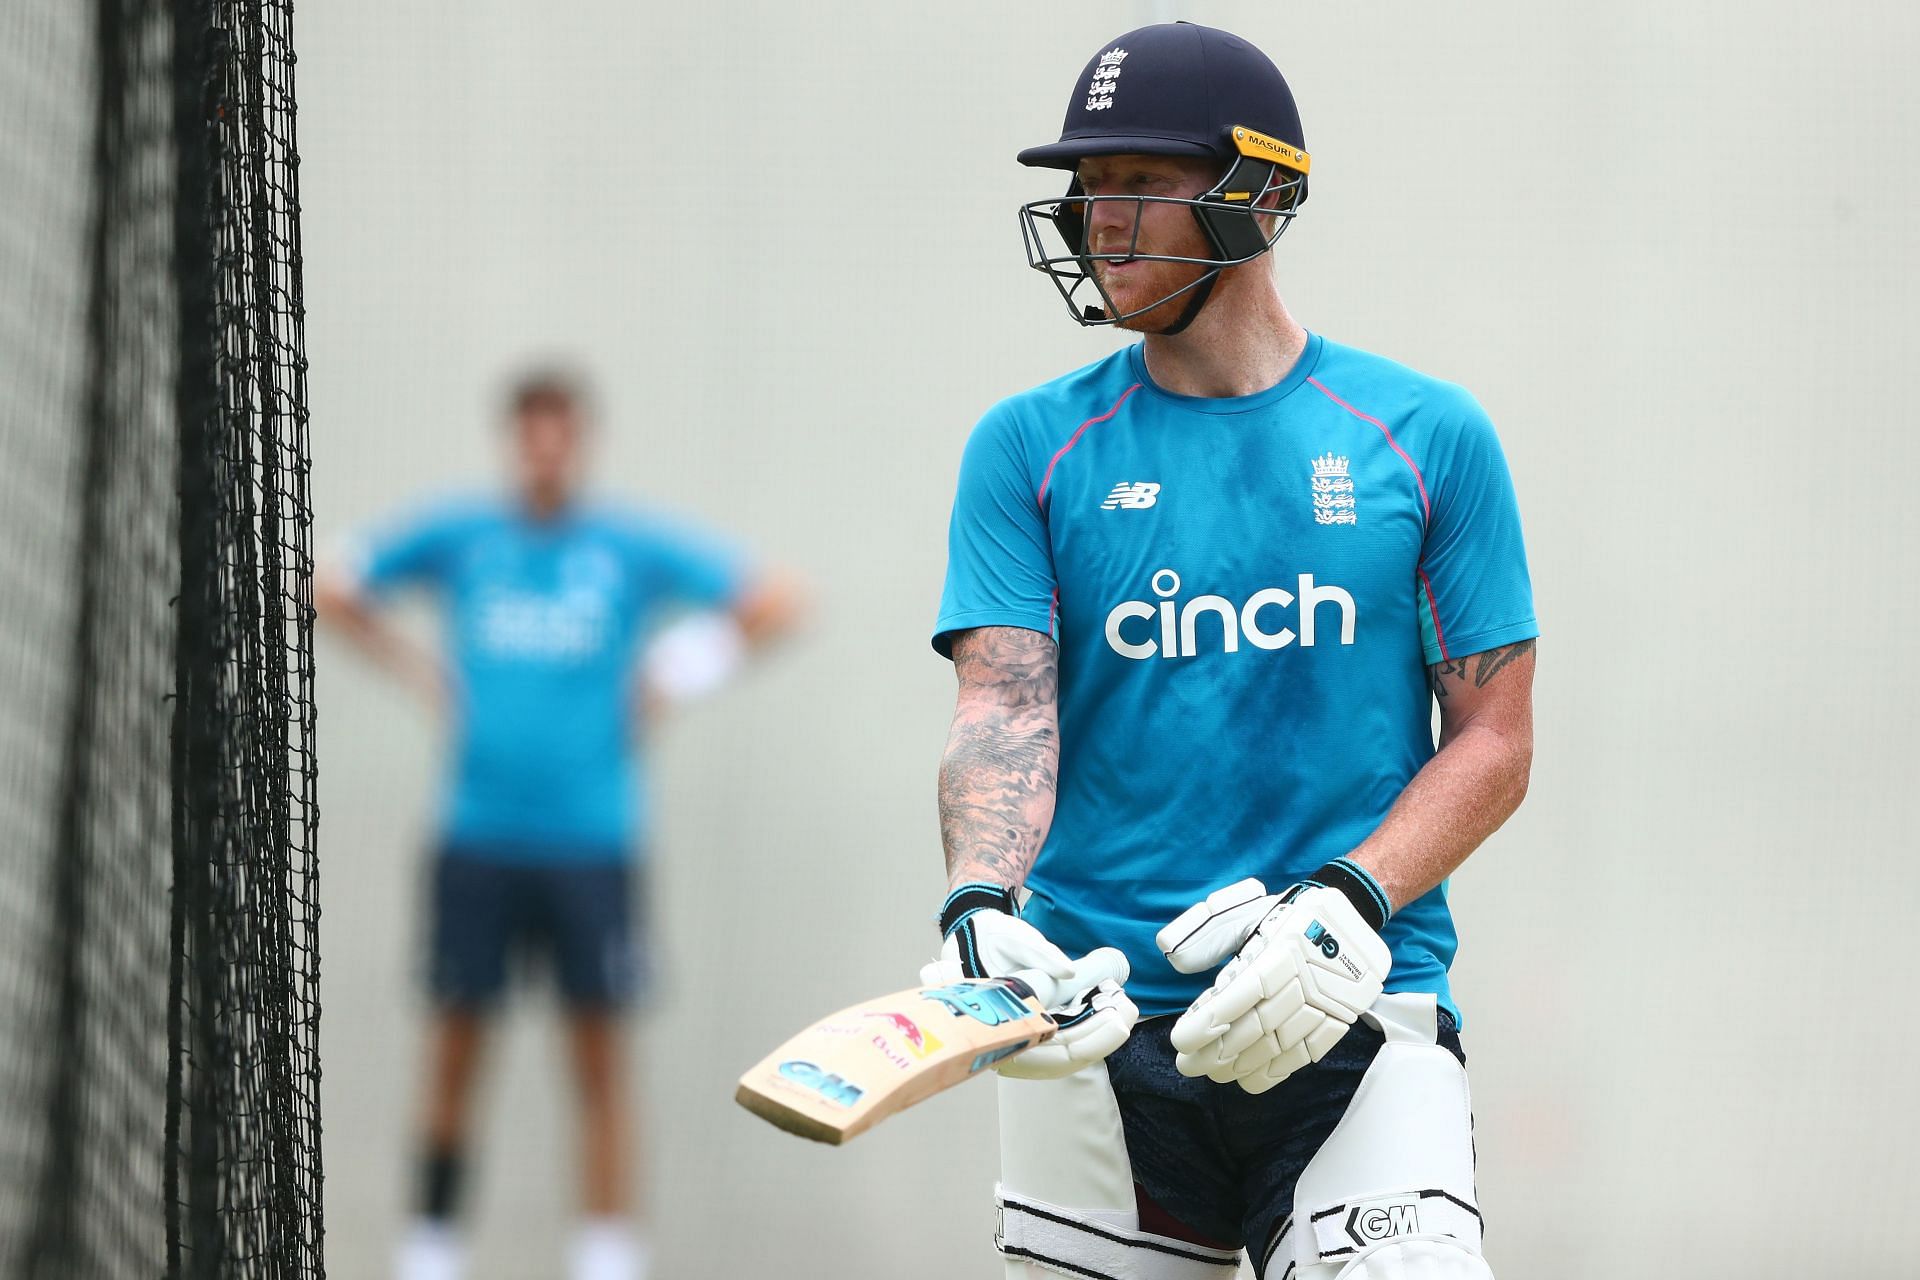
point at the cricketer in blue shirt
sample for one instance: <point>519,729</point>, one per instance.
<point>544,618</point>
<point>1206,600</point>
<point>548,602</point>
<point>1247,593</point>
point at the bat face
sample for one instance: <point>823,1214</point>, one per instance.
<point>847,1072</point>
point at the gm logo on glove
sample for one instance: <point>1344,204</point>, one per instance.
<point>1330,947</point>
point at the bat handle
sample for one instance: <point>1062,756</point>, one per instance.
<point>1089,971</point>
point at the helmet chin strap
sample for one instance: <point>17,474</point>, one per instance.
<point>1197,301</point>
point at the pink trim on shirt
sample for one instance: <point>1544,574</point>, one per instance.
<point>1394,444</point>
<point>1047,479</point>
<point>1433,612</point>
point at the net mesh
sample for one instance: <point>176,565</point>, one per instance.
<point>245,835</point>
<point>158,1020</point>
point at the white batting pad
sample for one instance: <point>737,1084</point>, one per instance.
<point>1419,1258</point>
<point>1398,1167</point>
<point>1057,1240</point>
<point>1061,1143</point>
<point>1066,1190</point>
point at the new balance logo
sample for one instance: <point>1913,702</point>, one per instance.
<point>1131,494</point>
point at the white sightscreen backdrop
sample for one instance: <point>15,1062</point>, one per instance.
<point>1670,246</point>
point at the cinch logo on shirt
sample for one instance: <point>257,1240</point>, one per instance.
<point>568,626</point>
<point>1179,629</point>
<point>1131,494</point>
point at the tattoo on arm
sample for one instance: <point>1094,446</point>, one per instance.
<point>1485,667</point>
<point>1000,769</point>
<point>1440,672</point>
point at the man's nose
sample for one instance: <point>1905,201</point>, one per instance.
<point>1111,214</point>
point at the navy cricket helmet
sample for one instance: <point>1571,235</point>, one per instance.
<point>1174,89</point>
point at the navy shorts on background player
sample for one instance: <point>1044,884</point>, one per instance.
<point>578,918</point>
<point>1223,1163</point>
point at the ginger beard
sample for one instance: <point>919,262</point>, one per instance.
<point>1166,230</point>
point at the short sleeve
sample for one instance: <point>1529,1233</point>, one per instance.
<point>686,568</point>
<point>1475,591</point>
<point>420,551</point>
<point>999,557</point>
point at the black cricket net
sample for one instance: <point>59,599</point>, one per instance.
<point>158,963</point>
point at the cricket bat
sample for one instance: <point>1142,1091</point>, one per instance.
<point>847,1073</point>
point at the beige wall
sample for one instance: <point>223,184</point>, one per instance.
<point>1670,246</point>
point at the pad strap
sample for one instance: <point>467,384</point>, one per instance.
<point>1353,1226</point>
<point>1075,1245</point>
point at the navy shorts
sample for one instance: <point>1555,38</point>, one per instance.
<point>1217,1165</point>
<point>492,918</point>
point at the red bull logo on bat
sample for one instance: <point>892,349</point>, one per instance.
<point>919,1041</point>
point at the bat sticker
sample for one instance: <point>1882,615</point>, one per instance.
<point>832,1087</point>
<point>992,1056</point>
<point>983,1002</point>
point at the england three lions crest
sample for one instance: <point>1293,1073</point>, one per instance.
<point>1333,491</point>
<point>1105,79</point>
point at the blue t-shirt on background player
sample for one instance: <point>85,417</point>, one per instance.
<point>1247,592</point>
<point>544,618</point>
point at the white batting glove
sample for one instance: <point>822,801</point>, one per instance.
<point>982,934</point>
<point>984,939</point>
<point>1306,963</point>
<point>1092,1025</point>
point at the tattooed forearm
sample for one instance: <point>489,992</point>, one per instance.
<point>1485,667</point>
<point>1474,781</point>
<point>1440,672</point>
<point>1001,765</point>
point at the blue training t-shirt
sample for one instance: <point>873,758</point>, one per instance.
<point>544,620</point>
<point>1247,593</point>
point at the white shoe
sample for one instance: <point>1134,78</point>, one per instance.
<point>608,1249</point>
<point>430,1251</point>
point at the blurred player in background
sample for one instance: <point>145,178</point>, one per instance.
<point>549,601</point>
<point>1202,597</point>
